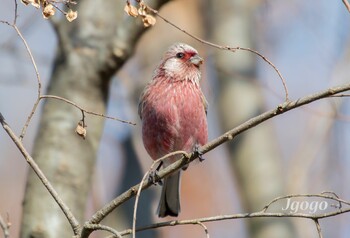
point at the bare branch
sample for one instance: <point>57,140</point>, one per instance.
<point>318,228</point>
<point>67,212</point>
<point>205,229</point>
<point>347,5</point>
<point>5,226</point>
<point>229,48</point>
<point>84,110</point>
<point>16,12</point>
<point>259,214</point>
<point>143,180</point>
<point>341,95</point>
<point>95,227</point>
<point>35,69</point>
<point>324,195</point>
<point>137,201</point>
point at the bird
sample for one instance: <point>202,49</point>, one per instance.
<point>173,109</point>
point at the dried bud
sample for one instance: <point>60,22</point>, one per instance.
<point>26,2</point>
<point>35,3</point>
<point>48,11</point>
<point>142,10</point>
<point>131,10</point>
<point>80,130</point>
<point>149,20</point>
<point>71,15</point>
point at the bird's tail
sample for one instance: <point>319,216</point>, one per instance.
<point>169,204</point>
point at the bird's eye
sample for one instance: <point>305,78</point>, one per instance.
<point>180,55</point>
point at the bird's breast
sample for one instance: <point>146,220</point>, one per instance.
<point>173,118</point>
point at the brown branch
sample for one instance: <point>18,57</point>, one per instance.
<point>341,95</point>
<point>14,26</point>
<point>259,214</point>
<point>95,227</point>
<point>65,209</point>
<point>137,200</point>
<point>205,229</point>
<point>347,5</point>
<point>229,135</point>
<point>143,180</point>
<point>229,48</point>
<point>5,226</point>
<point>84,110</point>
<point>318,227</point>
<point>323,195</point>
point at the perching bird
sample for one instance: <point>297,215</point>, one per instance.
<point>173,110</point>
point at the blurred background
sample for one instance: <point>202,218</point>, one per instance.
<point>303,151</point>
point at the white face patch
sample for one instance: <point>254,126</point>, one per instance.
<point>173,66</point>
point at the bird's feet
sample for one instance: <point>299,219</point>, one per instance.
<point>154,177</point>
<point>199,153</point>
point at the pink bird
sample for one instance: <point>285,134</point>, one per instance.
<point>173,110</point>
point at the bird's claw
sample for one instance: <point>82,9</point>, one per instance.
<point>153,176</point>
<point>199,153</point>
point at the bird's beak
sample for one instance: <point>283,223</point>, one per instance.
<point>196,60</point>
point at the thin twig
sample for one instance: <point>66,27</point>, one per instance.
<point>5,226</point>
<point>259,214</point>
<point>205,229</point>
<point>322,195</point>
<point>95,227</point>
<point>14,26</point>
<point>84,110</point>
<point>347,5</point>
<point>137,201</point>
<point>318,226</point>
<point>341,95</point>
<point>229,48</point>
<point>143,180</point>
<point>69,215</point>
<point>16,13</point>
<point>36,73</point>
<point>31,114</point>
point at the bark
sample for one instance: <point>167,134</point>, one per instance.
<point>254,155</point>
<point>91,50</point>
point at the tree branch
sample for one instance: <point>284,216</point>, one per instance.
<point>229,48</point>
<point>84,110</point>
<point>259,214</point>
<point>5,226</point>
<point>347,5</point>
<point>67,212</point>
<point>94,227</point>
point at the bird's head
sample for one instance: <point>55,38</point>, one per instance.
<point>181,62</point>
